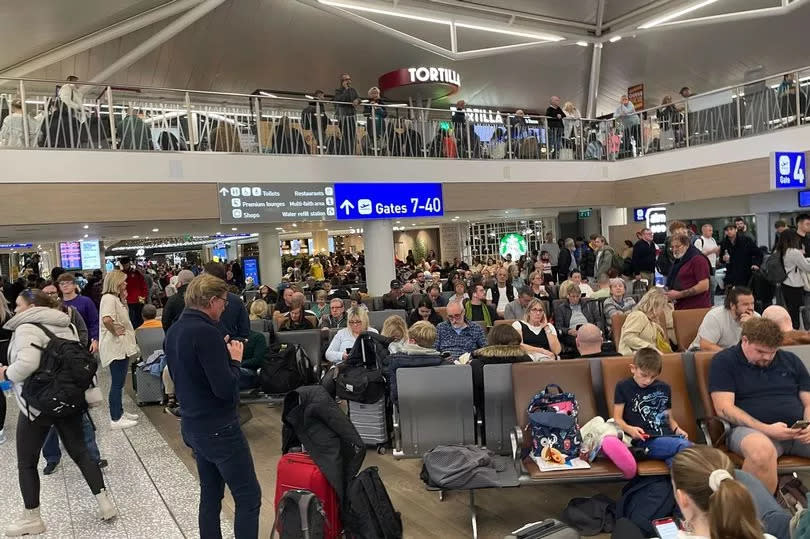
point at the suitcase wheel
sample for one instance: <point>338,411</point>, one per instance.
<point>380,449</point>
<point>140,404</point>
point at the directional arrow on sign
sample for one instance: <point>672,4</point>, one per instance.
<point>223,192</point>
<point>347,206</point>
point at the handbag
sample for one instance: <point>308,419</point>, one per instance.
<point>560,402</point>
<point>555,436</point>
<point>93,396</point>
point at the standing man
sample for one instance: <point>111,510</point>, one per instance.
<point>205,368</point>
<point>688,281</point>
<point>780,227</point>
<point>741,255</point>
<point>137,292</point>
<point>642,263</point>
<point>555,125</point>
<point>553,250</point>
<point>347,100</point>
<point>708,246</point>
<point>604,257</point>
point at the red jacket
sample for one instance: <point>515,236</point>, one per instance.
<point>136,286</point>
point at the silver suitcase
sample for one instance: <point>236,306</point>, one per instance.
<point>370,422</point>
<point>149,389</point>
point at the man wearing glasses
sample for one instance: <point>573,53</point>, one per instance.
<point>206,369</point>
<point>457,337</point>
<point>347,99</point>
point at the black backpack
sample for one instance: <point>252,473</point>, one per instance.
<point>66,371</point>
<point>774,268</point>
<point>361,379</point>
<point>299,515</point>
<point>285,370</point>
<point>369,513</point>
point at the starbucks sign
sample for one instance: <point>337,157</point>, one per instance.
<point>513,244</point>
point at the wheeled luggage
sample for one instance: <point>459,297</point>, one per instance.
<point>547,529</point>
<point>371,422</point>
<point>297,471</point>
<point>148,387</point>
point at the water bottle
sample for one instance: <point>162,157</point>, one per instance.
<point>5,385</point>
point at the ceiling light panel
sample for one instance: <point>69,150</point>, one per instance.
<point>676,14</point>
<point>381,11</point>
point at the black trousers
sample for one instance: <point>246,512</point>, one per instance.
<point>794,299</point>
<point>30,439</point>
<point>135,316</point>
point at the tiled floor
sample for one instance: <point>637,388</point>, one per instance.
<point>154,491</point>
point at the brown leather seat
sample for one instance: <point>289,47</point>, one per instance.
<point>507,322</point>
<point>703,361</point>
<point>616,323</point>
<point>441,311</point>
<point>672,372</point>
<point>686,324</point>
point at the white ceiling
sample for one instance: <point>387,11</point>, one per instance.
<point>287,45</point>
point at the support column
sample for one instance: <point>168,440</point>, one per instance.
<point>611,216</point>
<point>764,227</point>
<point>593,81</point>
<point>379,243</point>
<point>269,258</point>
<point>320,242</point>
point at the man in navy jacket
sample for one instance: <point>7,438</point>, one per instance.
<point>205,370</point>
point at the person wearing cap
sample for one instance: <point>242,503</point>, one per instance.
<point>395,299</point>
<point>69,292</point>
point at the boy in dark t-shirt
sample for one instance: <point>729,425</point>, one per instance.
<point>643,409</point>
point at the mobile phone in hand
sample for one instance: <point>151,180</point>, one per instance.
<point>666,528</point>
<point>800,424</point>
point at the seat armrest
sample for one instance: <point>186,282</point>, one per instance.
<point>397,429</point>
<point>704,422</point>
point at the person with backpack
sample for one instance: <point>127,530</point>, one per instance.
<point>206,370</point>
<point>37,326</point>
<point>796,267</point>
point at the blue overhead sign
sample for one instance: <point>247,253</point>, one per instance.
<point>788,170</point>
<point>388,200</point>
<point>639,215</point>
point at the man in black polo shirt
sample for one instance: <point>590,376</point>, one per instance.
<point>762,392</point>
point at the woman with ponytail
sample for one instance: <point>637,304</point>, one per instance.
<point>717,501</point>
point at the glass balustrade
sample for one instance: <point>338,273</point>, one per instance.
<point>42,114</point>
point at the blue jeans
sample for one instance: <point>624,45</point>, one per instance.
<point>665,447</point>
<point>248,379</point>
<point>118,375</point>
<point>53,454</point>
<point>223,457</point>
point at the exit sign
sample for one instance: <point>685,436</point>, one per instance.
<point>585,213</point>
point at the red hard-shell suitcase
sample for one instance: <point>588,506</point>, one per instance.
<point>298,471</point>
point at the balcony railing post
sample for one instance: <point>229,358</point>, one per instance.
<point>509,137</point>
<point>798,100</point>
<point>686,121</point>
<point>26,134</point>
<point>111,115</point>
<point>321,141</point>
<point>738,108</point>
<point>190,122</point>
<point>579,124</point>
<point>373,128</point>
<point>469,147</point>
<point>548,138</point>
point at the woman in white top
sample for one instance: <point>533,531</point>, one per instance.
<point>117,346</point>
<point>571,120</point>
<point>714,504</point>
<point>538,336</point>
<point>12,134</point>
<point>344,339</point>
<point>789,248</point>
<point>460,293</point>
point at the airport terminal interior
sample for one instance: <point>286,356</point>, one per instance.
<point>453,268</point>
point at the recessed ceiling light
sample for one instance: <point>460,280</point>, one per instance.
<point>146,238</point>
<point>135,237</point>
<point>86,235</point>
<point>234,229</point>
<point>155,230</point>
<point>86,227</point>
<point>295,224</point>
<point>582,43</point>
<point>614,39</point>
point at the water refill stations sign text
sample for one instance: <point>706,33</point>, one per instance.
<point>388,200</point>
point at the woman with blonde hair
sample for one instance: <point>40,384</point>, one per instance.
<point>538,336</point>
<point>343,341</point>
<point>258,310</point>
<point>117,344</point>
<point>395,329</point>
<point>642,327</point>
<point>572,117</point>
<point>714,502</point>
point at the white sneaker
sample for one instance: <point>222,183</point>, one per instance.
<point>122,423</point>
<point>131,417</point>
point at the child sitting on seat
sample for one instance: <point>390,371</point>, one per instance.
<point>149,314</point>
<point>643,409</point>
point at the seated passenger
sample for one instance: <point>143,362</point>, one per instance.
<point>149,315</point>
<point>459,292</point>
<point>435,295</point>
<point>572,314</point>
<point>284,300</point>
<point>269,295</point>
<point>395,330</point>
<point>536,285</point>
<point>575,278</point>
<point>319,308</point>
<point>395,299</point>
<point>477,309</point>
<point>455,336</point>
<point>642,408</point>
<point>424,311</point>
<point>336,318</point>
<point>590,343</point>
<point>642,327</point>
<point>538,336</point>
<point>763,392</point>
<point>722,325</point>
<point>296,318</point>
<point>781,316</point>
<point>503,346</point>
<point>720,501</point>
<point>516,309</point>
<point>502,292</point>
<point>616,303</point>
<point>418,352</point>
<point>252,360</point>
<point>602,287</point>
<point>357,301</point>
<point>343,341</point>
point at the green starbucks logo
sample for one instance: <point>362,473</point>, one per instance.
<point>513,244</point>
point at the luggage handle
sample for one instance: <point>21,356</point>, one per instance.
<point>559,389</point>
